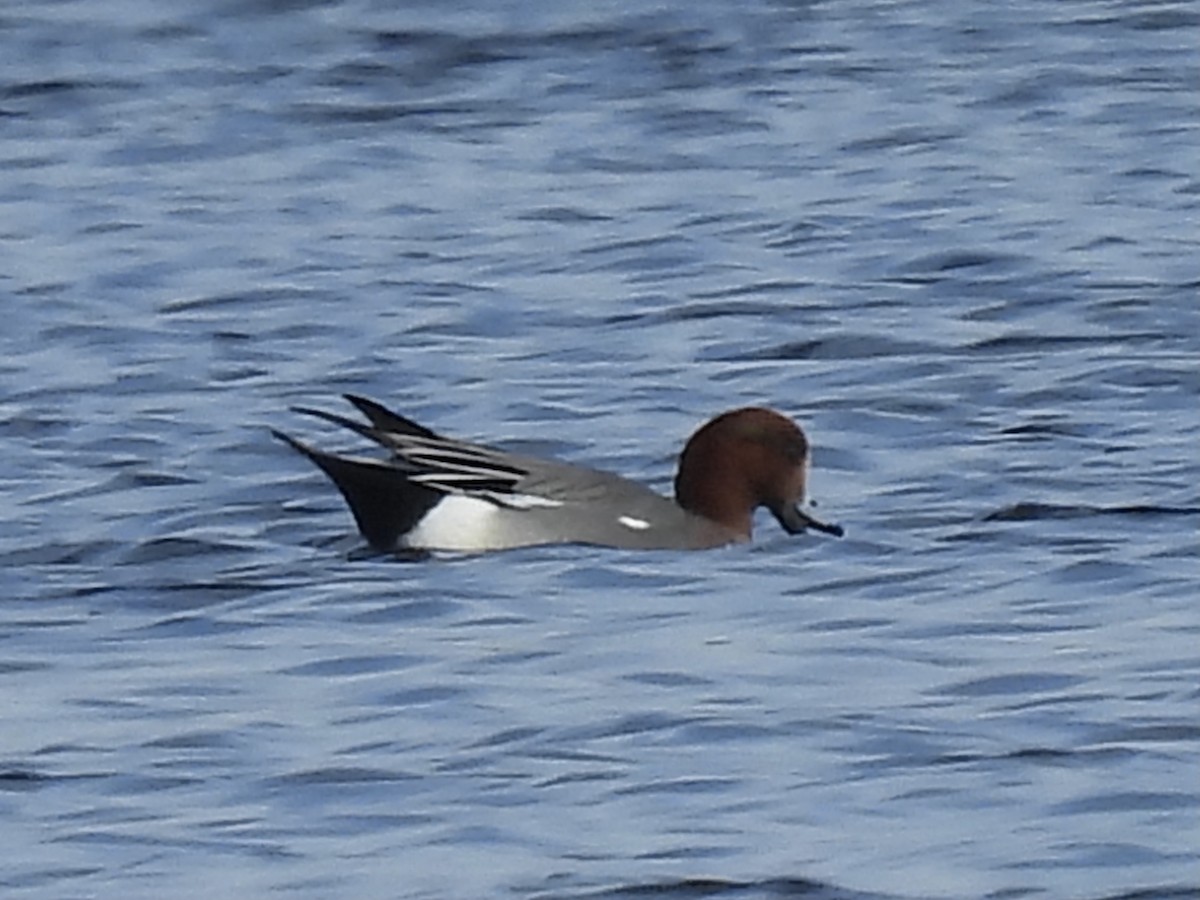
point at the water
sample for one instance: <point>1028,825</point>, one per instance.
<point>957,241</point>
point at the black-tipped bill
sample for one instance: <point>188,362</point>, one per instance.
<point>795,521</point>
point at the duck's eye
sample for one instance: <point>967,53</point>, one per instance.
<point>794,450</point>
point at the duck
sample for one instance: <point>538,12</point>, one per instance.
<point>436,493</point>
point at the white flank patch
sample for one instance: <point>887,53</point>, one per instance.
<point>457,522</point>
<point>635,524</point>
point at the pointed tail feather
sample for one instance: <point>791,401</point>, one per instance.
<point>386,420</point>
<point>385,504</point>
<point>357,427</point>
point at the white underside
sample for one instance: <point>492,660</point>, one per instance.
<point>457,522</point>
<point>460,522</point>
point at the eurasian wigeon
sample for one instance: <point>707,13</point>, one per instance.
<point>437,493</point>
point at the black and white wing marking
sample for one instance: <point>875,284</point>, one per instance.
<point>441,464</point>
<point>458,468</point>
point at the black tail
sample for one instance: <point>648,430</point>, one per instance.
<point>386,505</point>
<point>386,420</point>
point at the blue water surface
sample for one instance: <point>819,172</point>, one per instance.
<point>959,242</point>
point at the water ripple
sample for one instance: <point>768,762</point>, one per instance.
<point>951,241</point>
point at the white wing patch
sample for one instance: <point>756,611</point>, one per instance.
<point>522,501</point>
<point>635,524</point>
